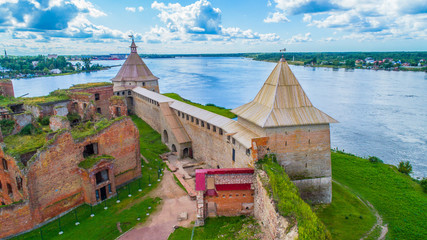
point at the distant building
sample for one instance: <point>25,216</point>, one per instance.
<point>35,63</point>
<point>55,71</point>
<point>50,56</point>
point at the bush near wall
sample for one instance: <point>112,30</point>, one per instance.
<point>289,203</point>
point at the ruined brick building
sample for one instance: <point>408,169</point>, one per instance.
<point>280,120</point>
<point>88,150</point>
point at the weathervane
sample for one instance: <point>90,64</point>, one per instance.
<point>283,50</point>
<point>131,36</point>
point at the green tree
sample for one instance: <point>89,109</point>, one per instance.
<point>423,184</point>
<point>86,63</point>
<point>405,167</point>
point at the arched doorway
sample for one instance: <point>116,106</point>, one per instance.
<point>173,148</point>
<point>185,153</point>
<point>165,136</point>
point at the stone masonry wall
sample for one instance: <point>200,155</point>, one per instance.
<point>213,148</point>
<point>304,152</point>
<point>148,112</point>
<point>273,225</point>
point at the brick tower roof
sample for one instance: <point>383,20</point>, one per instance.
<point>134,69</point>
<point>282,102</point>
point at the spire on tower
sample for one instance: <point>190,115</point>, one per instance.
<point>283,58</point>
<point>5,53</point>
<point>133,45</point>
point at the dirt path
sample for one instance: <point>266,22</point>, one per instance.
<point>160,224</point>
<point>379,222</point>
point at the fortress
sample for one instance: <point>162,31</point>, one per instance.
<point>280,120</point>
<point>89,148</point>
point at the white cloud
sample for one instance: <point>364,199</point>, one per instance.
<point>382,18</point>
<point>299,38</point>
<point>199,21</point>
<point>199,16</point>
<point>130,9</point>
<point>140,9</point>
<point>276,17</point>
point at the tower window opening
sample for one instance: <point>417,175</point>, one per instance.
<point>214,128</point>
<point>4,162</point>
<point>101,176</point>
<point>19,182</point>
<point>220,131</point>
<point>9,189</point>
<point>96,96</point>
<point>208,126</point>
<point>90,149</point>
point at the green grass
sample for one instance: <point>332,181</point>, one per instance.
<point>90,128</point>
<point>398,199</point>
<point>17,145</point>
<point>241,227</point>
<point>346,217</point>
<point>288,202</point>
<point>179,183</point>
<point>92,160</point>
<point>150,140</point>
<point>90,85</point>
<point>209,107</point>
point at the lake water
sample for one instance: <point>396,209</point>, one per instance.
<point>381,113</point>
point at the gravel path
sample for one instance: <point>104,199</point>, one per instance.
<point>161,223</point>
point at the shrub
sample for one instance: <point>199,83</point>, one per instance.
<point>374,159</point>
<point>405,167</point>
<point>44,120</point>
<point>423,184</point>
<point>7,126</point>
<point>30,130</point>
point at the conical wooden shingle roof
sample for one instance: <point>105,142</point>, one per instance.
<point>282,102</point>
<point>134,69</point>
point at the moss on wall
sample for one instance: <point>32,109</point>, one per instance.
<point>288,202</point>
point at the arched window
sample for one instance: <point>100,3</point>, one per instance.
<point>173,148</point>
<point>165,136</point>
<point>185,153</point>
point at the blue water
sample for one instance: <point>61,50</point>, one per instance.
<point>381,113</point>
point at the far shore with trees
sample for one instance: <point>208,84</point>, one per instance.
<point>39,66</point>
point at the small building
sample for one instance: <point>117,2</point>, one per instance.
<point>224,192</point>
<point>55,71</point>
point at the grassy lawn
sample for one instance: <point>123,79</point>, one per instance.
<point>150,141</point>
<point>398,199</point>
<point>209,107</point>
<point>104,224</point>
<point>221,228</point>
<point>346,217</point>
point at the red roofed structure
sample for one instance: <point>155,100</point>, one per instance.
<point>224,192</point>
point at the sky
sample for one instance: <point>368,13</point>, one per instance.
<point>31,27</point>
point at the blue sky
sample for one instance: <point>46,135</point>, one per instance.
<point>29,27</point>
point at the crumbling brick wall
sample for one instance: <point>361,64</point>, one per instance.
<point>6,88</point>
<point>15,218</point>
<point>98,96</point>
